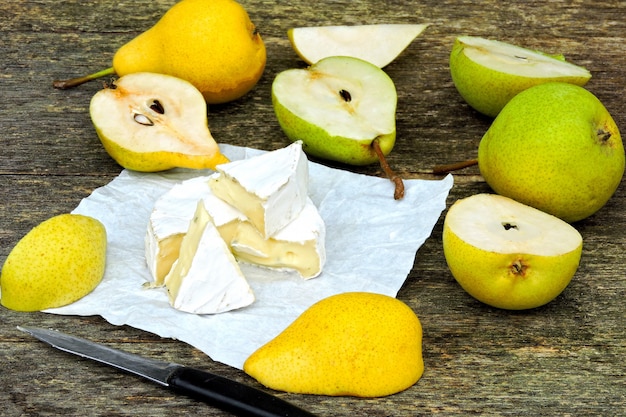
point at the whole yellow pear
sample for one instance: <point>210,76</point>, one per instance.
<point>210,43</point>
<point>355,344</point>
<point>58,262</point>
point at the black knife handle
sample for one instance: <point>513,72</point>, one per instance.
<point>232,396</point>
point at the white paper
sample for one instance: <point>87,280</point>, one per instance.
<point>371,242</point>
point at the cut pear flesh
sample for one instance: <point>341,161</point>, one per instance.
<point>499,224</point>
<point>507,254</point>
<point>346,97</point>
<point>515,60</point>
<point>145,115</point>
<point>379,44</point>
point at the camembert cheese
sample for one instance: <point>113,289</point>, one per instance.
<point>168,224</point>
<point>206,279</point>
<point>299,246</point>
<point>269,189</point>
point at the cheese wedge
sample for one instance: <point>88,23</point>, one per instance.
<point>206,279</point>
<point>168,224</point>
<point>298,246</point>
<point>269,189</point>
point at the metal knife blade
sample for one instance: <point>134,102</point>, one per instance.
<point>215,390</point>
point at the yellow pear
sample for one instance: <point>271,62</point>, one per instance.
<point>58,262</point>
<point>507,254</point>
<point>153,122</point>
<point>210,43</point>
<point>353,344</point>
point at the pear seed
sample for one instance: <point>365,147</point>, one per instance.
<point>509,226</point>
<point>142,119</point>
<point>157,106</point>
<point>345,95</point>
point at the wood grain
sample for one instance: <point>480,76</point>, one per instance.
<point>566,358</point>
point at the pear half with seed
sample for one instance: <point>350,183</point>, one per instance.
<point>153,122</point>
<point>378,44</point>
<point>507,254</point>
<point>488,73</point>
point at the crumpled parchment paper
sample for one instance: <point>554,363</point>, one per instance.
<point>371,242</point>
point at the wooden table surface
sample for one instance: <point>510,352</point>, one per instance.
<point>566,358</point>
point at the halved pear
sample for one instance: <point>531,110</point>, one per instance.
<point>337,107</point>
<point>379,44</point>
<point>488,73</point>
<point>507,254</point>
<point>153,122</point>
<point>342,109</point>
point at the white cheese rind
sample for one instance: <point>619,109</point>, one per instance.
<point>206,278</point>
<point>299,246</point>
<point>168,224</point>
<point>270,189</point>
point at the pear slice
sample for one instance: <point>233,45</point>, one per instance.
<point>488,73</point>
<point>507,254</point>
<point>153,122</point>
<point>379,44</point>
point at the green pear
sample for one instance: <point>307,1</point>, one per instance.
<point>153,122</point>
<point>210,43</point>
<point>355,343</point>
<point>379,44</point>
<point>507,254</point>
<point>488,73</point>
<point>58,262</point>
<point>342,109</point>
<point>554,147</point>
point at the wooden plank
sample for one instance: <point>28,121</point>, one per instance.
<point>565,358</point>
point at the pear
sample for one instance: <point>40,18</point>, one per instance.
<point>379,44</point>
<point>210,43</point>
<point>353,344</point>
<point>57,263</point>
<point>488,73</point>
<point>507,254</point>
<point>555,147</point>
<point>342,109</point>
<point>153,122</point>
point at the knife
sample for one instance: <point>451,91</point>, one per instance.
<point>223,393</point>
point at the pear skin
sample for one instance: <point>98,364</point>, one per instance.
<point>58,262</point>
<point>219,51</point>
<point>210,43</point>
<point>350,344</point>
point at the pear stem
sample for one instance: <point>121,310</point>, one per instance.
<point>399,191</point>
<point>445,169</point>
<point>73,82</point>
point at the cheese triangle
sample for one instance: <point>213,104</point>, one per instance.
<point>206,279</point>
<point>269,189</point>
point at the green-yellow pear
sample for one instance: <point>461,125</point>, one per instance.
<point>507,254</point>
<point>555,147</point>
<point>488,73</point>
<point>58,262</point>
<point>351,344</point>
<point>153,122</point>
<point>342,108</point>
<point>210,43</point>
